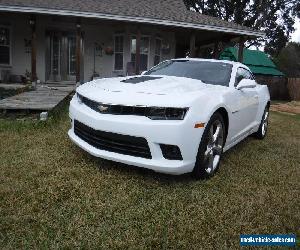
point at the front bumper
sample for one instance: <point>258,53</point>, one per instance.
<point>180,133</point>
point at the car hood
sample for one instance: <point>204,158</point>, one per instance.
<point>145,90</point>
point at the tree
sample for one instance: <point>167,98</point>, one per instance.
<point>275,17</point>
<point>288,60</point>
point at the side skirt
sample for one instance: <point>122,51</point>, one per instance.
<point>232,144</point>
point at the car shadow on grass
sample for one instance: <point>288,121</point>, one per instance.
<point>125,170</point>
<point>129,171</point>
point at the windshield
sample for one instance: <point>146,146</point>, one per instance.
<point>217,73</point>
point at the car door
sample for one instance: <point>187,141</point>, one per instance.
<point>244,106</point>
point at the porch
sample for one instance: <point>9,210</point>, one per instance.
<point>43,45</point>
<point>52,48</point>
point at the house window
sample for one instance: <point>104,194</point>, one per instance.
<point>119,52</point>
<point>4,46</point>
<point>72,56</point>
<point>157,55</point>
<point>144,52</point>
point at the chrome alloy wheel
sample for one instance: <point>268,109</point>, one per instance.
<point>214,146</point>
<point>265,123</point>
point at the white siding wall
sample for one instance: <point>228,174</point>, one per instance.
<point>94,31</point>
<point>20,30</point>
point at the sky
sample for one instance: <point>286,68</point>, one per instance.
<point>295,37</point>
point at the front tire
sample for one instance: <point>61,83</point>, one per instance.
<point>210,148</point>
<point>263,127</point>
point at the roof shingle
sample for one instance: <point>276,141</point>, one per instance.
<point>167,10</point>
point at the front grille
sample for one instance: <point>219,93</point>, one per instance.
<point>114,109</point>
<point>122,144</point>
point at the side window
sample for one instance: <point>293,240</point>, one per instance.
<point>242,74</point>
<point>251,75</point>
<point>248,75</point>
<point>239,76</point>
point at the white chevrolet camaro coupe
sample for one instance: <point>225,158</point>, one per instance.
<point>178,117</point>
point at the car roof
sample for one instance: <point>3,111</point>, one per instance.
<point>237,64</point>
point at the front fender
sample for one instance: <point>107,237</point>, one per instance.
<point>203,108</point>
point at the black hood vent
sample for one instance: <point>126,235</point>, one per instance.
<point>139,79</point>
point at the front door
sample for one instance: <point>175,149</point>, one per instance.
<point>244,107</point>
<point>61,56</point>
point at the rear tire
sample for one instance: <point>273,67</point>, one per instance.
<point>263,127</point>
<point>210,148</point>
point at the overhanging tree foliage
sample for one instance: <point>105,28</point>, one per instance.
<point>288,60</point>
<point>275,17</point>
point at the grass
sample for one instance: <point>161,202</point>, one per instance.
<point>54,195</point>
<point>4,93</point>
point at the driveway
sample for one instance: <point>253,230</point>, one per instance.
<point>289,107</point>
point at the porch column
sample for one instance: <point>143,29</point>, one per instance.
<point>32,23</point>
<point>137,52</point>
<point>192,44</point>
<point>241,49</point>
<point>216,50</point>
<point>78,50</point>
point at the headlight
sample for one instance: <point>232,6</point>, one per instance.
<point>79,97</point>
<point>156,113</point>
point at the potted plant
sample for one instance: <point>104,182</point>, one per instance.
<point>109,51</point>
<point>27,78</point>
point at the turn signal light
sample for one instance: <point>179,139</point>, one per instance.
<point>199,125</point>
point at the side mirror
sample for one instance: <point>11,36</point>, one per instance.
<point>246,84</point>
<point>143,73</point>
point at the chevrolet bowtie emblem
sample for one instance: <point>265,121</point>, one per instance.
<point>102,108</point>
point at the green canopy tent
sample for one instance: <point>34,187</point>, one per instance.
<point>258,62</point>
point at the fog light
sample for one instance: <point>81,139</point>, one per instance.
<point>170,152</point>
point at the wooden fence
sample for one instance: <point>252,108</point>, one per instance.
<point>293,85</point>
<point>281,88</point>
<point>277,86</point>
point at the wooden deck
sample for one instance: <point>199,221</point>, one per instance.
<point>44,98</point>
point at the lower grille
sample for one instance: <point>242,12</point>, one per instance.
<point>117,143</point>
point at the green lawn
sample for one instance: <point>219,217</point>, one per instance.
<point>55,195</point>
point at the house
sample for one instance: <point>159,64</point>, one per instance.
<point>74,40</point>
<point>263,68</point>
